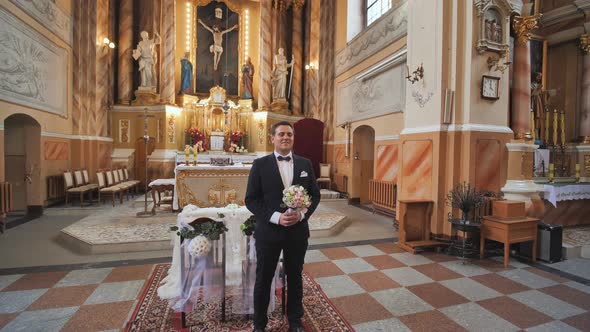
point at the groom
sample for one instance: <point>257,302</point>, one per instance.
<point>276,229</point>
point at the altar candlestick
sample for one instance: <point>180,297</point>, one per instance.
<point>577,172</point>
<point>551,172</point>
<point>547,116</point>
<point>408,69</point>
<point>562,128</point>
<point>554,127</point>
<point>187,151</point>
<point>196,152</point>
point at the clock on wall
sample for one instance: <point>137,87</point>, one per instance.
<point>490,87</point>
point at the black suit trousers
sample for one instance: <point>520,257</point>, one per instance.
<point>267,256</point>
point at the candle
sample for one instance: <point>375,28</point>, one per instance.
<point>551,172</point>
<point>187,150</point>
<point>408,69</point>
<point>196,152</point>
<point>533,131</point>
<point>547,115</point>
<point>577,172</point>
<point>554,127</point>
<point>562,124</point>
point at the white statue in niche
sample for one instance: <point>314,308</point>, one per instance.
<point>146,54</point>
<point>493,26</point>
<point>279,75</point>
<point>216,48</point>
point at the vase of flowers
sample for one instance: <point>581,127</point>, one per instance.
<point>465,198</point>
<point>196,136</point>
<point>237,138</point>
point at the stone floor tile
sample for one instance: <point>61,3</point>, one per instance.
<point>11,302</point>
<point>547,275</point>
<point>373,281</point>
<point>115,292</point>
<point>438,257</point>
<point>383,262</point>
<point>360,308</point>
<point>527,278</point>
<point>428,321</point>
<point>338,253</point>
<point>581,322</point>
<point>84,277</point>
<point>128,273</point>
<point>437,295</point>
<point>468,270</point>
<point>339,286</point>
<point>36,280</point>
<point>400,301</point>
<point>411,259</point>
<point>578,286</point>
<point>500,284</point>
<point>99,317</point>
<point>8,279</point>
<point>406,276</point>
<point>6,318</point>
<point>322,269</point>
<point>41,320</point>
<point>63,297</point>
<point>569,295</point>
<point>385,325</point>
<point>314,256</point>
<point>512,262</point>
<point>475,318</point>
<point>491,265</point>
<point>470,289</point>
<point>388,247</point>
<point>515,312</point>
<point>547,304</point>
<point>365,250</point>
<point>437,272</point>
<point>354,265</point>
<point>555,325</point>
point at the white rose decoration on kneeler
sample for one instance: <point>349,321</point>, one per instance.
<point>199,246</point>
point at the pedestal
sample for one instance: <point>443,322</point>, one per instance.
<point>280,106</point>
<point>520,185</point>
<point>146,98</point>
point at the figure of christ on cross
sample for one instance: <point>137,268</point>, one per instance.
<point>216,48</point>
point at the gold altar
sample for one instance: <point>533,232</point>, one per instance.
<point>211,186</point>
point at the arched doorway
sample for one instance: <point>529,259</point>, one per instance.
<point>22,160</point>
<point>363,144</point>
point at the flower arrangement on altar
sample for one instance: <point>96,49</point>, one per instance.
<point>196,136</point>
<point>237,149</point>
<point>296,198</point>
<point>237,137</point>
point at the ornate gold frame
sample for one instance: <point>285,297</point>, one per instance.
<point>186,195</point>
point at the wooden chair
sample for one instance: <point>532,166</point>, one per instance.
<point>5,203</point>
<point>76,188</point>
<point>325,175</point>
<point>218,256</point>
<point>105,189</point>
<point>135,182</point>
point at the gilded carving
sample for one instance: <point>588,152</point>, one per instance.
<point>587,164</point>
<point>585,43</point>
<point>171,129</point>
<point>218,194</point>
<point>523,27</point>
<point>124,131</point>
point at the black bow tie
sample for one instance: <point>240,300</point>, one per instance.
<point>281,158</point>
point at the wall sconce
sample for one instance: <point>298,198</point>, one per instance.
<point>311,66</point>
<point>494,61</point>
<point>356,156</point>
<point>417,74</point>
<point>107,43</point>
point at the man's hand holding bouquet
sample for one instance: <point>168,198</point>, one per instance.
<point>297,200</point>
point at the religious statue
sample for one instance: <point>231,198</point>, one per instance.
<point>279,75</point>
<point>216,48</point>
<point>147,56</point>
<point>186,73</point>
<point>496,32</point>
<point>247,79</point>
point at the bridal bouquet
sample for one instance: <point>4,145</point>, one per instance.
<point>296,198</point>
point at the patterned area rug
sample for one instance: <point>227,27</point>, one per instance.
<point>153,314</point>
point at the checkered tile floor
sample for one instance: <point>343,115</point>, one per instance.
<point>376,288</point>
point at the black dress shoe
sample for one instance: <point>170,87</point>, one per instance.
<point>296,329</point>
<point>258,330</point>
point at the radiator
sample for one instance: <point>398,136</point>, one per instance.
<point>383,195</point>
<point>5,198</point>
<point>341,182</point>
<point>55,187</point>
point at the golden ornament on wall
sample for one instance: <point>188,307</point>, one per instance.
<point>585,43</point>
<point>523,27</point>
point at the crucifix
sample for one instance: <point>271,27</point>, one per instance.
<point>146,139</point>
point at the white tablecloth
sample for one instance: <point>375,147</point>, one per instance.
<point>160,182</point>
<point>557,193</point>
<point>185,167</point>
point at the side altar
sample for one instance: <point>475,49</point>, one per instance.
<point>210,186</point>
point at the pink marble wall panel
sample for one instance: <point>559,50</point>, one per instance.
<point>417,170</point>
<point>266,55</point>
<point>488,154</point>
<point>297,46</point>
<point>386,165</point>
<point>104,155</point>
<point>521,89</point>
<point>340,154</point>
<point>56,151</point>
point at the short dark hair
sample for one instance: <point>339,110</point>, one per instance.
<point>274,127</point>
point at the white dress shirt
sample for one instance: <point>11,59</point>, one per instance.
<point>286,171</point>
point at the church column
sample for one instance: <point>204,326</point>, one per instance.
<point>313,58</point>
<point>265,84</point>
<point>125,79</point>
<point>98,124</point>
<point>585,111</point>
<point>521,84</point>
<point>167,52</point>
<point>326,67</point>
<point>296,88</point>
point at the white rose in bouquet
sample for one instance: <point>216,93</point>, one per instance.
<point>199,246</point>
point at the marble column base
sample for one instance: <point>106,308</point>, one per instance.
<point>280,106</point>
<point>146,98</point>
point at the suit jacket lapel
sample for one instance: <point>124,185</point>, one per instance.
<point>296,169</point>
<point>275,170</point>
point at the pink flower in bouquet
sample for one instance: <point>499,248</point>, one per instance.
<point>296,198</point>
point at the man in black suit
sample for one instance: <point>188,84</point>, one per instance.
<point>277,229</point>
